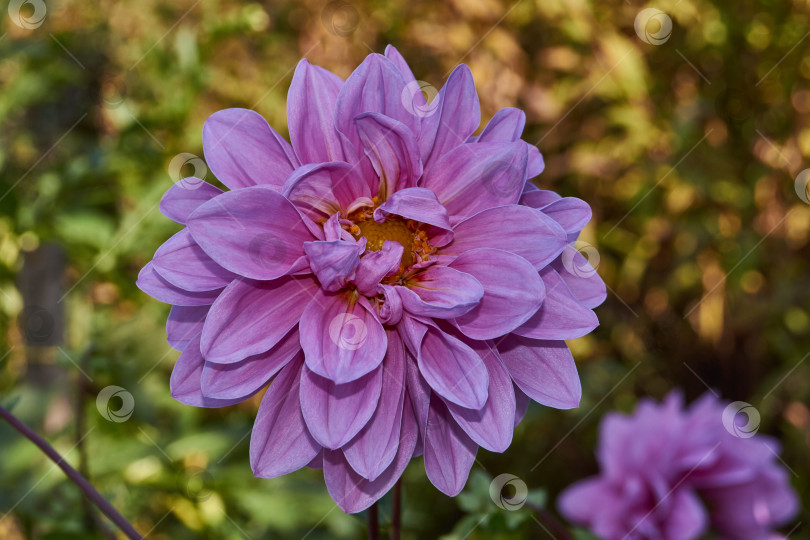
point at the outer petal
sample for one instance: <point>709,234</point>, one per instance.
<point>571,213</point>
<point>580,278</point>
<point>184,324</point>
<point>538,198</point>
<point>441,292</point>
<point>375,86</point>
<point>506,126</point>
<point>449,452</point>
<point>476,177</point>
<point>562,316</point>
<point>311,112</point>
<point>280,442</point>
<point>243,150</point>
<point>242,379</point>
<point>184,197</point>
<point>251,317</point>
<point>454,116</point>
<point>453,370</point>
<point>513,292</point>
<point>391,147</point>
<point>333,262</point>
<point>396,58</point>
<point>254,232</point>
<point>375,447</point>
<point>419,204</point>
<point>544,370</point>
<point>335,413</point>
<point>150,282</point>
<point>341,337</point>
<point>518,229</point>
<point>492,425</point>
<point>183,263</point>
<point>536,163</point>
<point>352,492</point>
<point>521,404</point>
<point>185,383</point>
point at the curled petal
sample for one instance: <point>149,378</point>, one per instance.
<point>333,262</point>
<point>441,292</point>
<point>419,204</point>
<point>376,265</point>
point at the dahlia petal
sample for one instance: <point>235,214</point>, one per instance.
<point>254,232</point>
<point>185,323</point>
<point>453,116</point>
<point>333,262</point>
<point>538,198</point>
<point>310,114</point>
<point>243,150</point>
<point>561,315</point>
<point>153,284</point>
<point>391,309</point>
<point>544,370</point>
<point>376,265</point>
<point>184,197</point>
<point>375,86</point>
<point>352,492</point>
<point>418,392</point>
<point>310,189</point>
<point>571,213</point>
<point>341,337</point>
<point>535,164</point>
<point>280,442</point>
<point>183,263</point>
<point>391,147</point>
<point>453,370</point>
<point>449,452</point>
<point>513,292</point>
<point>441,292</point>
<point>491,426</point>
<point>375,446</point>
<point>250,317</point>
<point>506,126</point>
<point>242,379</point>
<point>397,59</point>
<point>412,331</point>
<point>580,278</point>
<point>687,517</point>
<point>475,177</point>
<point>579,500</point>
<point>335,413</point>
<point>415,203</point>
<point>185,382</point>
<point>517,229</point>
<point>521,404</point>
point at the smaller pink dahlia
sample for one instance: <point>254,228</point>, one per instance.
<point>397,281</point>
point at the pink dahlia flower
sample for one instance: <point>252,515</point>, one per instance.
<point>671,473</point>
<point>397,281</point>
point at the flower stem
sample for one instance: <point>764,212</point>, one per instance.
<point>396,518</point>
<point>88,489</point>
<point>373,523</point>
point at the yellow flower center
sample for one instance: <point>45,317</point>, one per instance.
<point>392,229</point>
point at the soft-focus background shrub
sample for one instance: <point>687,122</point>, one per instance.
<point>686,150</point>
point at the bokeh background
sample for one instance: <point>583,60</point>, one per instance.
<point>688,150</point>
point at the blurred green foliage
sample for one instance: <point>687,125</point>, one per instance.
<point>687,151</point>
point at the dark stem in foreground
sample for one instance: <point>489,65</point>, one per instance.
<point>373,523</point>
<point>396,513</point>
<point>89,491</point>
